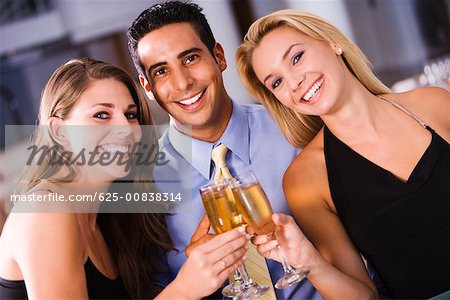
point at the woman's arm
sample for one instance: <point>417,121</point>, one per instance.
<point>336,268</point>
<point>49,255</point>
<point>208,266</point>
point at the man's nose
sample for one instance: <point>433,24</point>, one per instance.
<point>182,79</point>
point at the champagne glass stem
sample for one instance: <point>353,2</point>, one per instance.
<point>235,287</point>
<point>237,276</point>
<point>291,274</point>
<point>286,267</point>
<point>244,274</point>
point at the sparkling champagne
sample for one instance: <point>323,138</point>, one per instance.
<point>221,209</point>
<point>255,207</point>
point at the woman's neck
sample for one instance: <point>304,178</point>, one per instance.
<point>84,192</point>
<point>359,116</point>
<point>87,221</point>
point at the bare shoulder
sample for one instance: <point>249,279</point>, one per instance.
<point>305,180</point>
<point>31,232</point>
<point>45,247</point>
<point>430,104</point>
<point>304,165</point>
<point>39,228</point>
<point>44,197</point>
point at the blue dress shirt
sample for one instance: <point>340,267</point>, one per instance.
<point>255,143</point>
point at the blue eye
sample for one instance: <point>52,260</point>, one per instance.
<point>101,115</point>
<point>276,83</point>
<point>297,58</point>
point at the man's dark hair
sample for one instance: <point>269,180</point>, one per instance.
<point>163,14</point>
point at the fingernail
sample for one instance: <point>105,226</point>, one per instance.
<point>241,229</point>
<point>244,257</point>
<point>248,236</point>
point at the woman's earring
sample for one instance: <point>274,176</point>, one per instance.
<point>339,51</point>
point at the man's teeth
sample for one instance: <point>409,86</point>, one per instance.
<point>313,90</point>
<point>115,148</point>
<point>192,100</point>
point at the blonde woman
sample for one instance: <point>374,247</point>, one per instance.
<point>372,178</point>
<point>76,255</point>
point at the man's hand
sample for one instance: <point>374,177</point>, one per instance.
<point>200,236</point>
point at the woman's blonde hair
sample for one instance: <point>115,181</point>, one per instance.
<point>299,129</point>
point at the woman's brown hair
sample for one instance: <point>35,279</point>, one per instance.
<point>136,240</point>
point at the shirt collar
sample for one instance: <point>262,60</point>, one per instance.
<point>236,136</point>
<point>198,153</point>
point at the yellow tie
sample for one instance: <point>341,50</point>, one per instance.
<point>255,263</point>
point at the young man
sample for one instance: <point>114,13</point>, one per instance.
<point>180,65</point>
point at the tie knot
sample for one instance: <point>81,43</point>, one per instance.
<point>218,156</point>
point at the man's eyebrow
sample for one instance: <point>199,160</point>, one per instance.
<point>284,57</point>
<point>188,51</point>
<point>179,56</point>
<point>154,66</point>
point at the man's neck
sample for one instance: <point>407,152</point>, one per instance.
<point>210,133</point>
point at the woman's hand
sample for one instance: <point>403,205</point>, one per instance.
<point>200,236</point>
<point>296,248</point>
<point>210,264</point>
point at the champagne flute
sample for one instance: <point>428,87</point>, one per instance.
<point>257,211</point>
<point>224,215</point>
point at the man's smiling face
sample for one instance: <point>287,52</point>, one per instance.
<point>185,78</point>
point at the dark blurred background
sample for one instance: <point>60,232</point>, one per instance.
<point>402,38</point>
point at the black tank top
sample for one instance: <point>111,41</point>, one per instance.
<point>98,285</point>
<point>401,228</point>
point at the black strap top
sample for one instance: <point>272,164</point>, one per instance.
<point>401,228</point>
<point>98,285</point>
